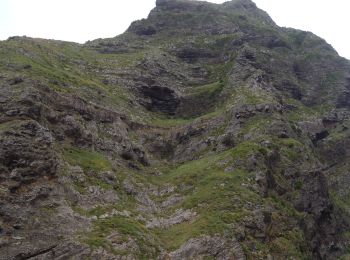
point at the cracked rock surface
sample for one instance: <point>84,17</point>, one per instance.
<point>203,132</point>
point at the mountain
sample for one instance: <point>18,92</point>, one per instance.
<point>203,132</point>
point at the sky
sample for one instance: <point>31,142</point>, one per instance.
<point>83,20</point>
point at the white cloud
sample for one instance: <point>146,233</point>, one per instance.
<point>82,20</point>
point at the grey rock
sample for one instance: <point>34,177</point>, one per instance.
<point>205,246</point>
<point>178,217</point>
<point>97,196</point>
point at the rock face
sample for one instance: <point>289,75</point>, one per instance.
<point>209,246</point>
<point>204,131</point>
<point>26,154</point>
<point>162,99</point>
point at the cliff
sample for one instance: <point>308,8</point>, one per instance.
<point>204,131</point>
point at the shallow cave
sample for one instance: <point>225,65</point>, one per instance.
<point>160,99</point>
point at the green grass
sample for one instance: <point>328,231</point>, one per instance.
<point>341,202</point>
<point>219,198</point>
<point>256,123</point>
<point>126,227</point>
<point>244,149</point>
<point>89,161</point>
<point>168,122</point>
<point>284,206</point>
<point>290,142</point>
<point>208,90</point>
<point>10,124</point>
<point>291,148</point>
<point>285,247</point>
<point>302,112</point>
<point>70,68</point>
<point>248,96</point>
<point>173,237</point>
<point>210,196</point>
<point>336,135</point>
<point>298,185</point>
<point>346,256</point>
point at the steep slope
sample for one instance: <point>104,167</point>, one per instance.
<point>203,132</point>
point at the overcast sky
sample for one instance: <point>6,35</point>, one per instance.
<point>82,20</point>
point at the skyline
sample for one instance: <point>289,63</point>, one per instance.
<point>83,20</point>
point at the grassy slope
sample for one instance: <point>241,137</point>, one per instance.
<point>221,198</point>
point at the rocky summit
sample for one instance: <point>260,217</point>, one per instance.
<point>205,131</point>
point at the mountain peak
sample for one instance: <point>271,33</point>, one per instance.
<point>236,3</point>
<point>203,132</point>
<point>180,4</point>
<point>179,17</point>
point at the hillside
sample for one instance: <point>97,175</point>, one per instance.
<point>205,131</point>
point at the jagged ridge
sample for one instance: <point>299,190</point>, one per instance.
<point>203,131</point>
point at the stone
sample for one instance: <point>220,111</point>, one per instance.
<point>206,246</point>
<point>203,123</point>
<point>178,217</point>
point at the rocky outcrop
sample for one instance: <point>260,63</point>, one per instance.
<point>179,216</point>
<point>27,154</point>
<point>321,227</point>
<point>315,130</point>
<point>204,131</point>
<point>34,213</point>
<point>218,247</point>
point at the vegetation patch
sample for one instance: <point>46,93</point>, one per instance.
<point>89,161</point>
<point>217,197</point>
<point>126,227</point>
